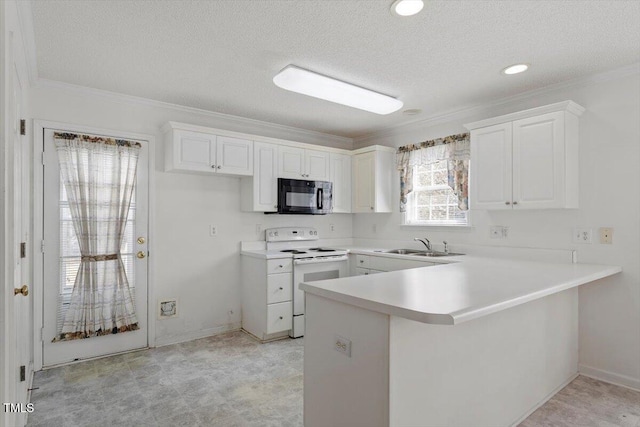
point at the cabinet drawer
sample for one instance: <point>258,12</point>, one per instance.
<point>279,317</point>
<point>278,288</point>
<point>392,264</point>
<point>366,271</point>
<point>281,265</point>
<point>362,261</point>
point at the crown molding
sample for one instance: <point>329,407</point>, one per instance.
<point>459,114</point>
<point>568,106</point>
<point>25,18</point>
<point>291,132</point>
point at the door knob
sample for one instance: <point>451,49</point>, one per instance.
<point>140,254</point>
<point>24,291</point>
<point>141,240</point>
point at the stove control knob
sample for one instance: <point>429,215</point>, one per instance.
<point>276,233</point>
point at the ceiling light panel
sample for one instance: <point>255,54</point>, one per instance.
<point>306,82</point>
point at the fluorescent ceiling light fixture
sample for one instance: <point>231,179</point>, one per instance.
<point>515,69</point>
<point>309,83</point>
<point>406,7</point>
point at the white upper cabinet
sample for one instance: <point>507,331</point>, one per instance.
<point>526,160</point>
<point>340,171</point>
<point>188,150</point>
<point>300,163</point>
<point>373,172</point>
<point>260,193</point>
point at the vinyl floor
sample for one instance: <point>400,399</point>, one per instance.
<point>230,380</point>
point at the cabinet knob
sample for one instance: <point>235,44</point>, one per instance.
<point>275,206</point>
<point>219,166</point>
<point>282,289</point>
<point>281,317</point>
<point>213,166</point>
<point>507,203</point>
<point>371,208</point>
<point>515,203</point>
<point>280,266</point>
<point>361,261</point>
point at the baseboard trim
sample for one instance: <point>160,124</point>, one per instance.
<point>545,400</point>
<point>194,335</point>
<point>609,377</point>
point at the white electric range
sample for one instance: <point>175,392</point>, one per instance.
<point>310,263</point>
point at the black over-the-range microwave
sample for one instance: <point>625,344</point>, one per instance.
<point>298,196</point>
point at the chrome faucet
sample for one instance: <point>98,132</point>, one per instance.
<point>425,242</point>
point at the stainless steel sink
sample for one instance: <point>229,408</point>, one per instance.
<point>435,254</point>
<point>404,251</point>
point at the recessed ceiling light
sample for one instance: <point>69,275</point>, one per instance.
<point>312,84</point>
<point>515,69</point>
<point>412,111</point>
<point>406,7</point>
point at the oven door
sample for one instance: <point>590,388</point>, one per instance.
<point>296,196</point>
<point>309,270</point>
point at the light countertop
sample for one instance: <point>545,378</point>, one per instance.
<point>466,288</point>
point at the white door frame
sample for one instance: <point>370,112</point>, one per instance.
<point>38,233</point>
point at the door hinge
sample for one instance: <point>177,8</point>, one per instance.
<point>23,373</point>
<point>23,250</point>
<point>42,334</point>
<point>42,246</point>
<point>43,157</point>
<point>23,127</point>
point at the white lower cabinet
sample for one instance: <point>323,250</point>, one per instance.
<point>279,317</point>
<point>371,264</point>
<point>267,297</point>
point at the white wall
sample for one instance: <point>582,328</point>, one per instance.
<point>203,272</point>
<point>609,197</point>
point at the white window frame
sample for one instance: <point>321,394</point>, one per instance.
<point>409,217</point>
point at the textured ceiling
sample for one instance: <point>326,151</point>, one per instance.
<point>222,55</point>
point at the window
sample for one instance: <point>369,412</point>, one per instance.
<point>432,201</point>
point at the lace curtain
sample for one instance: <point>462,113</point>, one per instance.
<point>455,149</point>
<point>99,176</point>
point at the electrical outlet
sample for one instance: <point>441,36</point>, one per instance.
<point>342,345</point>
<point>213,230</point>
<point>606,235</point>
<point>332,227</point>
<point>582,235</point>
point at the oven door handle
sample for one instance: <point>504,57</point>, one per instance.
<point>319,260</point>
<point>319,198</point>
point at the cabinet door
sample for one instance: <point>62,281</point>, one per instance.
<point>234,156</point>
<point>538,162</point>
<point>194,151</point>
<point>291,162</point>
<point>340,171</point>
<point>363,182</point>
<point>316,165</point>
<point>265,179</point>
<point>491,167</point>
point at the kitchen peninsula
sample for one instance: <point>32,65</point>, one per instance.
<point>480,342</point>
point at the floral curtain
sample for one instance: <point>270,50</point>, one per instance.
<point>99,176</point>
<point>455,149</point>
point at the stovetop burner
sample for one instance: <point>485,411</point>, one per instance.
<point>322,250</point>
<point>294,251</point>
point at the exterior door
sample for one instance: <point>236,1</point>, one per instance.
<point>61,261</point>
